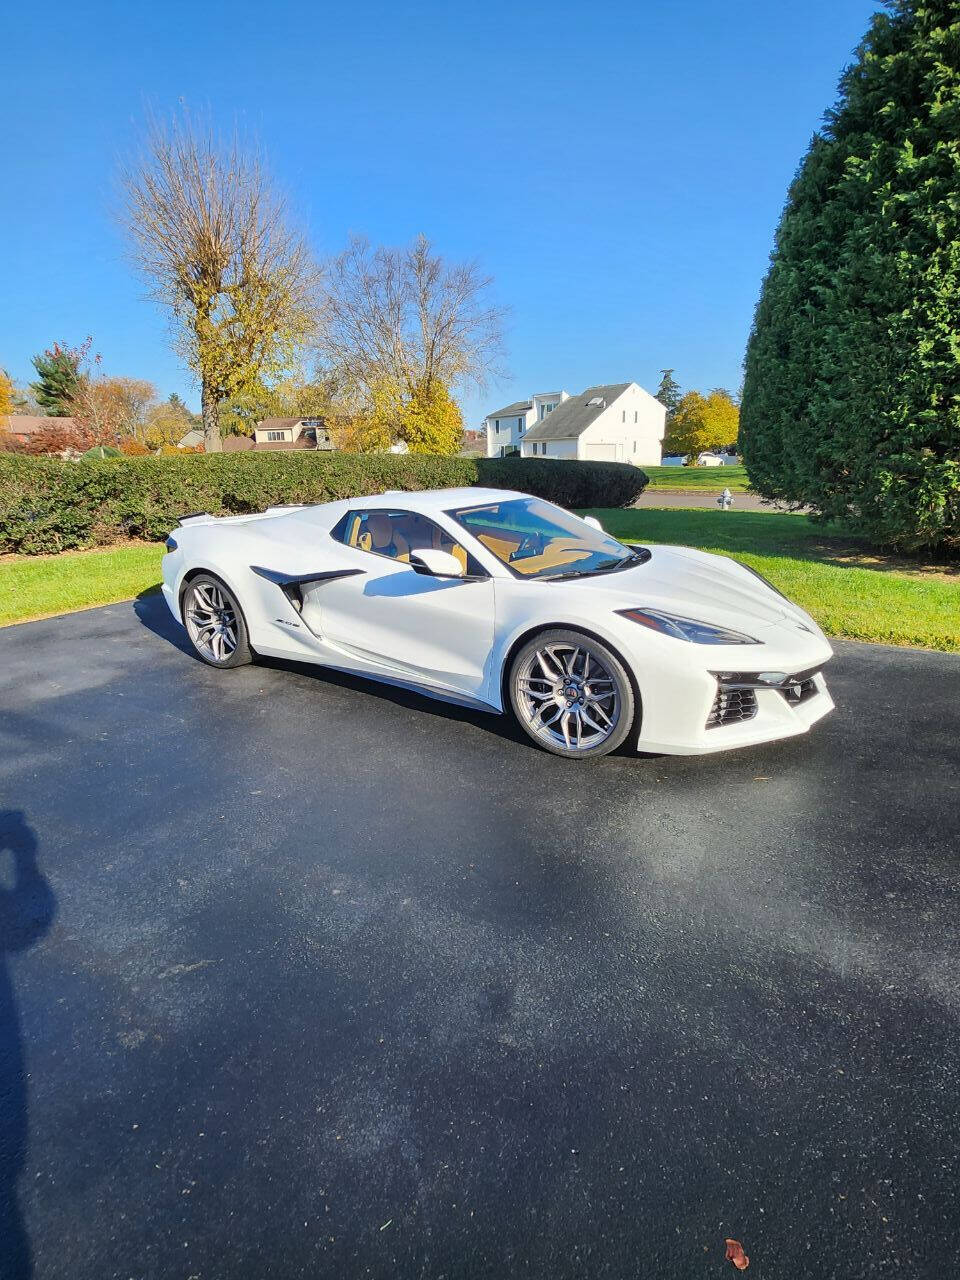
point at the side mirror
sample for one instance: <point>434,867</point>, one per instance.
<point>593,522</point>
<point>434,563</point>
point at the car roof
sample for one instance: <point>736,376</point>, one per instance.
<point>435,499</point>
<point>428,501</point>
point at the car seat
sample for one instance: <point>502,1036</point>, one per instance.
<point>382,537</point>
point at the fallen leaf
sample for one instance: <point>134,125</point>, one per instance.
<point>736,1255</point>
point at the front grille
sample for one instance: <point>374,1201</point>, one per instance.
<point>800,691</point>
<point>731,706</point>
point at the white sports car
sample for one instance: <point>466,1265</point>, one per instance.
<point>497,599</point>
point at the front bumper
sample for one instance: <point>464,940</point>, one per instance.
<point>770,713</point>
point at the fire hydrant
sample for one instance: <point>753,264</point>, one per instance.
<point>725,500</point>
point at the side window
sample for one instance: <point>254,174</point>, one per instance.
<point>395,534</point>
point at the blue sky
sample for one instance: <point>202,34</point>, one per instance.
<point>618,168</point>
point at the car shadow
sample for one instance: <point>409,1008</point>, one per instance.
<point>502,726</point>
<point>151,609</point>
<point>27,909</point>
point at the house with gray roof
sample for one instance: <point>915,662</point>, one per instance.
<point>506,427</point>
<point>616,422</point>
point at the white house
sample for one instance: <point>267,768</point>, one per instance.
<point>616,423</point>
<point>292,433</point>
<point>506,427</point>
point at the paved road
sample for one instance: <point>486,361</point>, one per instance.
<point>313,979</point>
<point>704,498</point>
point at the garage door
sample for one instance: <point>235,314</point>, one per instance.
<point>601,452</point>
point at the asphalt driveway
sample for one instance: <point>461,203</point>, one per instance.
<point>303,977</point>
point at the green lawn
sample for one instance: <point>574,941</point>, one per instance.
<point>38,586</point>
<point>850,591</point>
<point>682,479</point>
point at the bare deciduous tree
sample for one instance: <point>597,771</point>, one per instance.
<point>212,235</point>
<point>110,409</point>
<point>407,318</point>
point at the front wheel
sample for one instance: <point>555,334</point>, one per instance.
<point>215,623</point>
<point>572,694</point>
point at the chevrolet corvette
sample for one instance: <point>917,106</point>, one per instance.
<point>506,602</point>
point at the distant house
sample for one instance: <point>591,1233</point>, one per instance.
<point>23,426</point>
<point>191,440</point>
<point>506,427</point>
<point>618,422</point>
<point>292,433</point>
<point>474,443</point>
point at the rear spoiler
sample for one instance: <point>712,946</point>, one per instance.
<point>251,515</point>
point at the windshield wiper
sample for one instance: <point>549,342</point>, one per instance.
<point>639,555</point>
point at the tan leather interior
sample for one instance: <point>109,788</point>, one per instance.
<point>503,543</point>
<point>495,541</point>
<point>396,534</point>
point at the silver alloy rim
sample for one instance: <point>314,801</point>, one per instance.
<point>211,621</point>
<point>568,697</point>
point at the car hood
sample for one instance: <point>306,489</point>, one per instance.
<point>694,584</point>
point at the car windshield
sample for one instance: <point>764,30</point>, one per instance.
<point>535,539</point>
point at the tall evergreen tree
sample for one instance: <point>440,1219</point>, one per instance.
<point>669,393</point>
<point>851,399</point>
<point>58,379</point>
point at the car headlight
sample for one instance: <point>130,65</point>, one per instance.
<point>766,581</point>
<point>668,624</point>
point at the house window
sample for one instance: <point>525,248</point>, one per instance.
<point>624,415</point>
<point>496,426</point>
<point>634,446</point>
<point>520,424</point>
<point>635,419</point>
<point>275,435</point>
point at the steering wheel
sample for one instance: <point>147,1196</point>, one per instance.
<point>530,544</point>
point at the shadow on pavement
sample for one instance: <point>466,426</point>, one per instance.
<point>152,611</point>
<point>151,608</point>
<point>27,909</point>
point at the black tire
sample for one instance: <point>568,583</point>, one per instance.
<point>555,710</point>
<point>213,619</point>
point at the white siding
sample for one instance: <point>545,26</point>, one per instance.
<point>512,429</point>
<point>603,452</point>
<point>554,449</point>
<point>630,429</point>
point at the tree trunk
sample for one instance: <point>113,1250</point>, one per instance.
<point>210,412</point>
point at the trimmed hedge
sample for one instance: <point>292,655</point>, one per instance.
<point>48,505</point>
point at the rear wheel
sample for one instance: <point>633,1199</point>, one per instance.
<point>572,694</point>
<point>215,623</point>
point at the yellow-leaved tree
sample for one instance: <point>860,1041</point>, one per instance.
<point>431,421</point>
<point>702,423</point>
<point>6,396</point>
<point>402,328</point>
<point>426,420</point>
<point>212,235</point>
